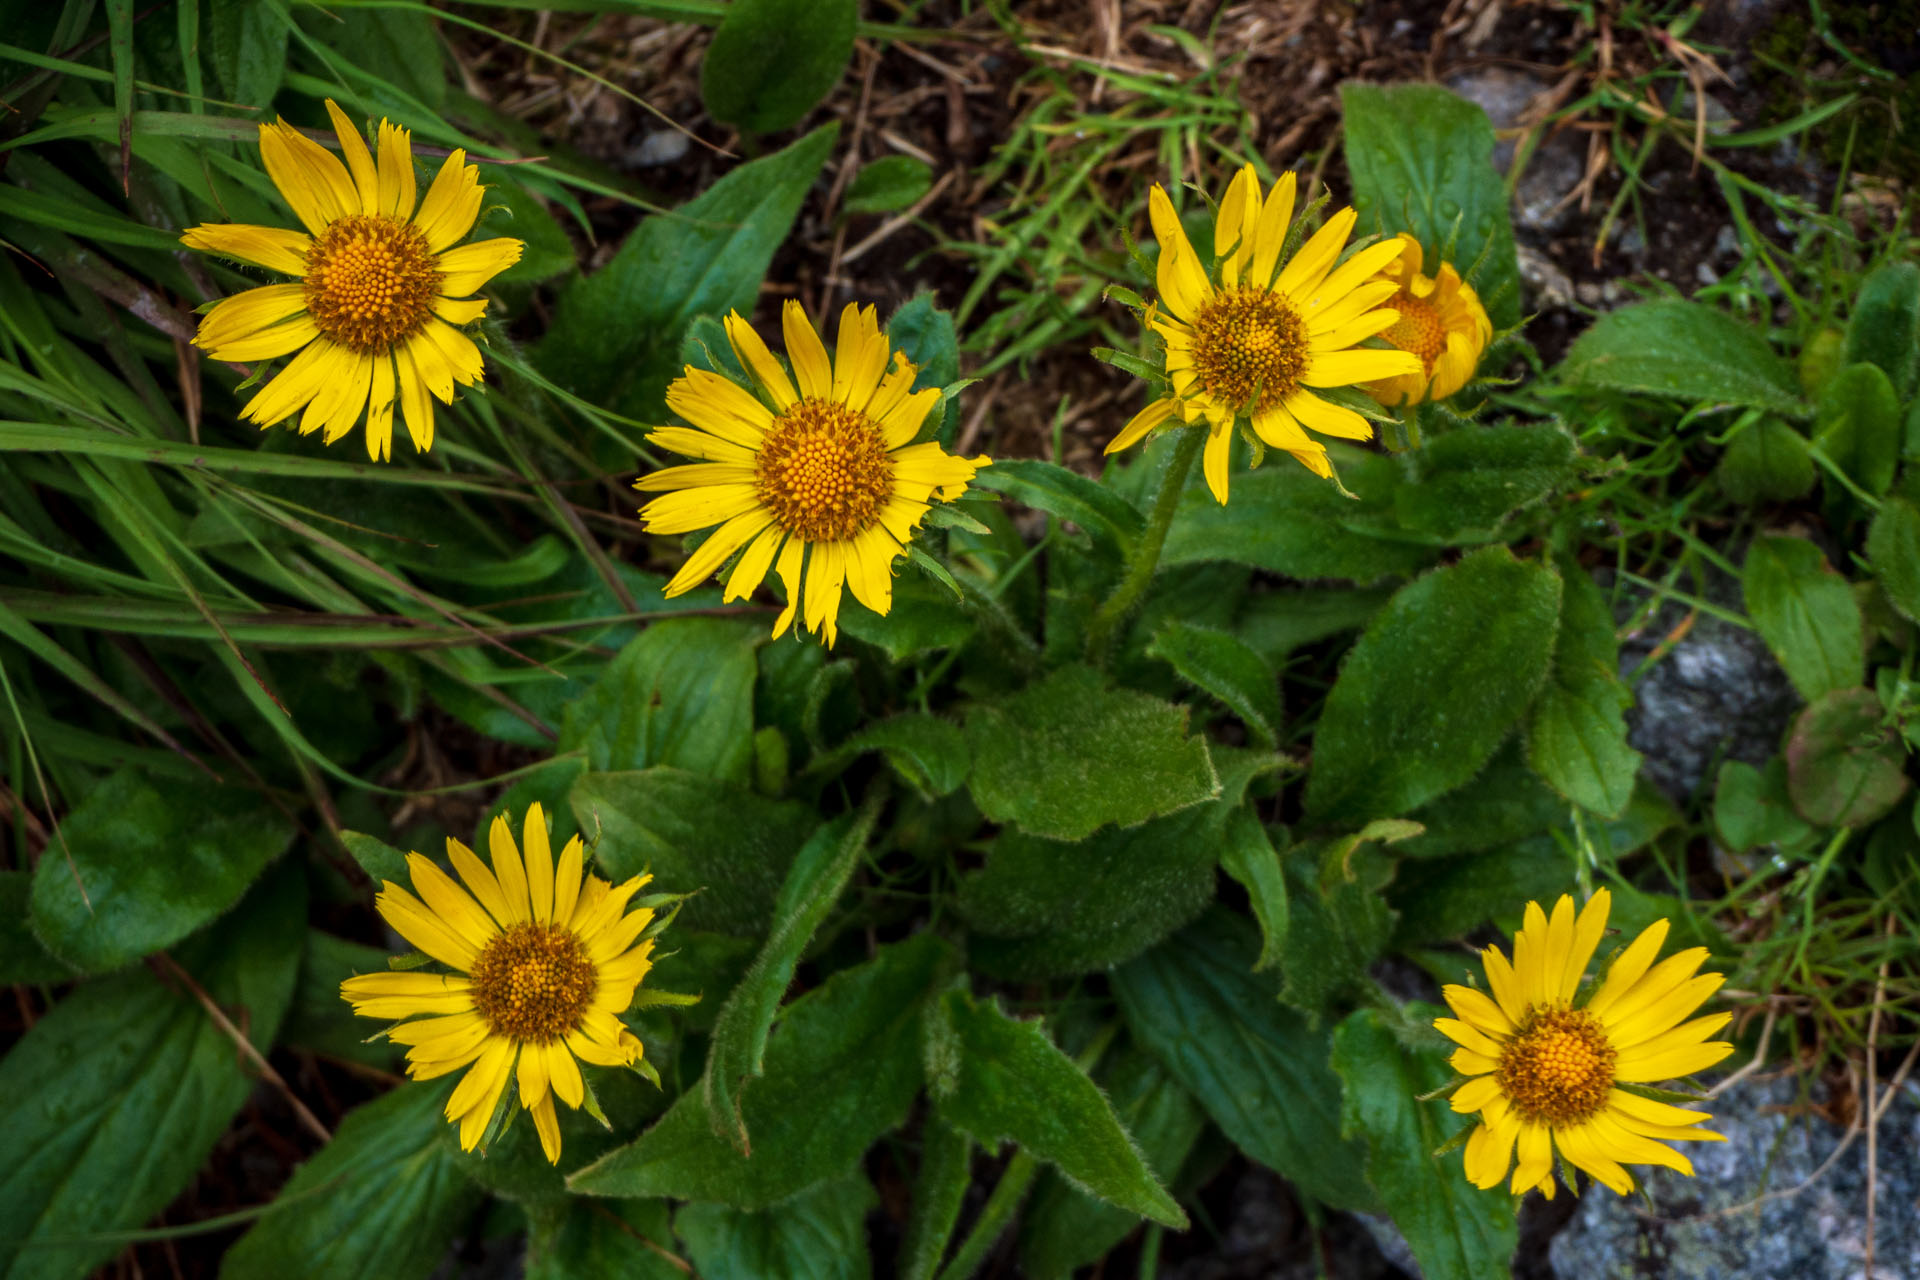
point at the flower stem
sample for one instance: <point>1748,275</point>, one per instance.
<point>1145,557</point>
<point>994,1218</point>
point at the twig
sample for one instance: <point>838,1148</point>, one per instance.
<point>900,220</point>
<point>1759,1058</point>
<point>1873,1091</point>
<point>171,968</point>
<point>672,1258</point>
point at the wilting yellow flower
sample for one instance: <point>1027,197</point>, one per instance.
<point>544,965</point>
<point>816,477</point>
<point>382,295</point>
<point>1546,1074</point>
<point>1441,321</point>
<point>1249,344</point>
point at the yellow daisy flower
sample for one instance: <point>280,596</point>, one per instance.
<point>1545,1074</point>
<point>382,295</point>
<point>1441,321</point>
<point>1250,343</point>
<point>544,962</point>
<point>815,476</point>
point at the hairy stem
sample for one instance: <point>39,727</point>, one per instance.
<point>1145,557</point>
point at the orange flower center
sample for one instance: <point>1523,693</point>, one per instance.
<point>1249,349</point>
<point>532,983</point>
<point>823,471</point>
<point>1558,1068</point>
<point>1420,328</point>
<point>371,281</point>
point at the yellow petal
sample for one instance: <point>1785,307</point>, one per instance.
<point>1627,970</point>
<point>1467,1036</point>
<point>859,357</point>
<point>1360,364</point>
<point>1475,1094</point>
<point>416,399</point>
<point>1662,1015</point>
<point>716,404</point>
<point>508,870</point>
<point>1235,225</point>
<point>1183,285</point>
<point>451,904</point>
<point>546,1124</point>
<point>396,172</point>
<point>564,1074</point>
<point>711,554</point>
<point>478,1092</point>
<point>380,404</point>
<point>480,881</point>
<point>352,400</point>
<point>1140,424</point>
<point>1271,235</point>
<point>459,313</point>
<point>266,344</point>
<point>1348,276</point>
<point>270,247</point>
<point>902,422</point>
<point>750,570</point>
<point>532,1076</point>
<point>1536,1158</point>
<point>452,203</point>
<point>1671,1064</point>
<point>788,566</point>
<point>694,443</point>
<point>1309,266</point>
<point>245,314</point>
<point>699,508</point>
<point>1660,982</point>
<point>465,269</point>
<point>808,354</point>
<point>314,183</point>
<point>539,863</point>
<point>758,361</point>
<point>296,384</point>
<point>353,148</point>
<point>413,921</point>
<point>566,880</point>
<point>1213,462</point>
<point>1578,1145</point>
<point>826,578</point>
<point>1478,1010</point>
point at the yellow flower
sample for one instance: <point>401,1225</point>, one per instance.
<point>1250,343</point>
<point>1545,1074</point>
<point>1441,321</point>
<point>544,965</point>
<point>816,477</point>
<point>382,296</point>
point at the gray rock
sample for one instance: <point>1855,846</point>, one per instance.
<point>1554,169</point>
<point>1718,694</point>
<point>1503,94</point>
<point>1818,1234</point>
<point>1547,285</point>
<point>662,146</point>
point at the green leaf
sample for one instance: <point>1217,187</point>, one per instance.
<point>730,844</point>
<point>1014,1084</point>
<point>930,753</point>
<point>1219,664</point>
<point>1506,802</point>
<point>1256,1066</point>
<point>384,1198</point>
<point>772,60</point>
<point>319,1019</point>
<point>1752,807</point>
<point>247,44</point>
<point>1685,350</point>
<point>1286,520</point>
<point>939,1193</point>
<point>1041,908</point>
<point>1845,766</point>
<point>1456,1230</point>
<point>737,1048</point>
<point>1434,686</point>
<point>1884,329</point>
<point>1806,613</point>
<point>1108,518</point>
<point>680,694</point>
<point>820,1235</point>
<point>631,1239</point>
<point>615,336</point>
<point>156,863</point>
<point>887,185</point>
<point>380,860</point>
<point>23,960</point>
<point>1338,921</point>
<point>925,618</point>
<point>1577,739</point>
<point>1067,755</point>
<point>1444,898</point>
<point>117,1095</point>
<point>925,332</point>
<point>1857,425</point>
<point>513,210</point>
<point>1063,1228</point>
<point>842,1068</point>
<point>1248,856</point>
<point>1893,546</point>
<point>1471,479</point>
<point>1421,160</point>
<point>1768,462</point>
